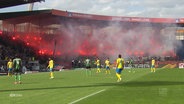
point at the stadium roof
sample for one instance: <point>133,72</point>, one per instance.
<point>9,3</point>
<point>21,17</point>
<point>12,15</point>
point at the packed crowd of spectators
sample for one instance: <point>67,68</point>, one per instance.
<point>10,47</point>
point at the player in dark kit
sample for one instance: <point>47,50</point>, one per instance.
<point>17,69</point>
<point>88,66</point>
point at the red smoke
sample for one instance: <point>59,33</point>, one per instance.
<point>76,40</point>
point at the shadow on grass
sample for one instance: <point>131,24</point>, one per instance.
<point>121,84</point>
<point>151,83</point>
<point>58,87</point>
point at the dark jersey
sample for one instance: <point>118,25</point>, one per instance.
<point>87,62</point>
<point>17,64</point>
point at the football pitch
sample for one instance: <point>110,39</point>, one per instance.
<point>165,86</point>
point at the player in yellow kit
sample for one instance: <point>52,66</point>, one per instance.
<point>119,67</point>
<point>51,66</point>
<point>98,65</point>
<point>10,67</point>
<point>107,66</point>
<point>153,65</point>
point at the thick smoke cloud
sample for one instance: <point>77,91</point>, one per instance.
<point>113,38</point>
<point>73,38</point>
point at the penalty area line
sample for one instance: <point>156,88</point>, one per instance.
<point>86,96</point>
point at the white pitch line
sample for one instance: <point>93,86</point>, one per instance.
<point>86,96</point>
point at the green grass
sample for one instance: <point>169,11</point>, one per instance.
<point>166,86</point>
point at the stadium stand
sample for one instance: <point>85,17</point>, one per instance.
<point>45,32</point>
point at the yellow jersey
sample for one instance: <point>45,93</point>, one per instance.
<point>107,62</point>
<point>120,63</point>
<point>51,64</point>
<point>98,62</point>
<point>152,62</point>
<point>10,64</point>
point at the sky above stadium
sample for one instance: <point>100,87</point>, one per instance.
<point>130,8</point>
